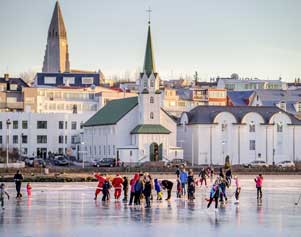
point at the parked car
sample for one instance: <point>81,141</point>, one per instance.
<point>29,161</point>
<point>176,162</point>
<point>256,163</point>
<point>39,163</point>
<point>286,164</point>
<point>106,162</point>
<point>61,161</point>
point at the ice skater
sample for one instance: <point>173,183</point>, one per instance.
<point>158,190</point>
<point>214,194</point>
<point>147,191</point>
<point>117,184</point>
<point>2,193</point>
<point>179,188</point>
<point>18,178</point>
<point>166,184</point>
<point>191,186</point>
<point>138,190</point>
<point>28,189</point>
<point>125,186</point>
<point>259,180</point>
<point>237,190</point>
<point>106,190</point>
<point>229,176</point>
<point>183,178</point>
<point>203,177</point>
<point>132,186</point>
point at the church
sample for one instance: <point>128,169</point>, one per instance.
<point>134,129</point>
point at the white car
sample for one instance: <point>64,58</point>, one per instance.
<point>256,163</point>
<point>286,164</point>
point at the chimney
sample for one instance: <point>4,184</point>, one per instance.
<point>6,76</point>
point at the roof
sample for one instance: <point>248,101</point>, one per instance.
<point>14,80</point>
<point>149,61</point>
<point>150,129</point>
<point>239,98</point>
<point>112,112</point>
<point>184,94</point>
<point>57,22</point>
<point>207,114</point>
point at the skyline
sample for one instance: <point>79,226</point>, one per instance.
<point>261,37</point>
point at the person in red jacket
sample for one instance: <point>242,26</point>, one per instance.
<point>117,184</point>
<point>101,180</point>
<point>132,187</point>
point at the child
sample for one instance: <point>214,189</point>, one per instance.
<point>237,191</point>
<point>125,185</point>
<point>166,184</point>
<point>203,174</point>
<point>117,184</point>
<point>28,189</point>
<point>2,192</point>
<point>147,191</point>
<point>106,190</point>
<point>158,190</point>
<point>191,185</point>
<point>223,185</point>
<point>179,189</point>
<point>258,180</point>
<point>214,194</point>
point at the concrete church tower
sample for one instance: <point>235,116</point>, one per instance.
<point>149,93</point>
<point>56,57</point>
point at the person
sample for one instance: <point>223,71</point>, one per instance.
<point>229,175</point>
<point>117,184</point>
<point>179,188</point>
<point>138,190</point>
<point>166,184</point>
<point>2,193</point>
<point>214,194</point>
<point>28,189</point>
<point>202,176</point>
<point>101,180</point>
<point>221,173</point>
<point>177,171</point>
<point>158,190</point>
<point>191,185</point>
<point>223,185</point>
<point>183,178</point>
<point>259,180</point>
<point>132,184</point>
<point>147,191</point>
<point>237,190</point>
<point>18,178</point>
<point>106,189</point>
<point>125,186</point>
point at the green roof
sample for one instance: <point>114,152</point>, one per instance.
<point>149,61</point>
<point>150,129</point>
<point>112,112</point>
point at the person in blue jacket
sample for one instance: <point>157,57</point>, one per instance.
<point>183,179</point>
<point>158,190</point>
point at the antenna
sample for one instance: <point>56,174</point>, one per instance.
<point>149,11</point>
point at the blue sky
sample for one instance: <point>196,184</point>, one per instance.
<point>255,38</point>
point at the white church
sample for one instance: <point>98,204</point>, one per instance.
<point>134,129</point>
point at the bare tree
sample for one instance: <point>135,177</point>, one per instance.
<point>28,76</point>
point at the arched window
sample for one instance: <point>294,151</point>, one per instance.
<point>151,100</point>
<point>151,115</point>
<point>152,83</point>
<point>145,83</point>
<point>252,127</point>
<point>279,127</point>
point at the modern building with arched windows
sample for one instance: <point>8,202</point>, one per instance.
<point>210,133</point>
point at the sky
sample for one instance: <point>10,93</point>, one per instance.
<point>258,38</point>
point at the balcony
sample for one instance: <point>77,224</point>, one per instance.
<point>12,105</point>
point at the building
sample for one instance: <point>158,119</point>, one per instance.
<point>69,99</point>
<point>11,95</point>
<point>134,129</point>
<point>287,100</point>
<point>239,98</point>
<point>210,133</point>
<point>236,84</point>
<point>37,134</point>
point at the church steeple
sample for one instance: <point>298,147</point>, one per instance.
<point>149,61</point>
<point>56,54</point>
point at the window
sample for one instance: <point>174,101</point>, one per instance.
<point>73,139</point>
<point>109,148</point>
<point>73,125</point>
<point>252,145</point>
<point>15,139</point>
<point>104,149</point>
<point>152,83</point>
<point>99,150</point>
<point>61,124</point>
<point>282,105</point>
<point>151,115</point>
<point>15,124</point>
<point>42,124</point>
<point>279,127</point>
<point>252,127</point>
<point>131,152</point>
<point>66,139</point>
<point>25,151</point>
<point>224,127</point>
<point>49,80</point>
<point>87,80</point>
<point>66,124</point>
<point>24,139</point>
<point>145,83</point>
<point>151,100</point>
<point>41,139</point>
<point>24,124</point>
<point>113,150</point>
<point>1,141</point>
<point>61,139</point>
<point>0,124</point>
<point>61,151</point>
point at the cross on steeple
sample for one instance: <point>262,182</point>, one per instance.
<point>149,10</point>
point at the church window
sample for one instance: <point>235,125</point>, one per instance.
<point>279,127</point>
<point>151,115</point>
<point>152,83</point>
<point>145,83</point>
<point>113,150</point>
<point>131,152</point>
<point>252,127</point>
<point>151,100</point>
<point>224,127</point>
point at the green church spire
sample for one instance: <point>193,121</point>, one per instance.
<point>149,61</point>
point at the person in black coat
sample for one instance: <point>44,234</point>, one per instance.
<point>125,185</point>
<point>166,184</point>
<point>147,191</point>
<point>18,178</point>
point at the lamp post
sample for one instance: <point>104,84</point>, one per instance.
<point>8,123</point>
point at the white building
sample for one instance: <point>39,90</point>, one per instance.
<point>134,129</point>
<point>209,133</point>
<point>36,134</point>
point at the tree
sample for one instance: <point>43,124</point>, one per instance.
<point>28,76</point>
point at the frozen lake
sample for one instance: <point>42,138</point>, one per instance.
<point>68,209</point>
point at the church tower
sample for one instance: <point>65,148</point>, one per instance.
<point>149,93</point>
<point>56,57</point>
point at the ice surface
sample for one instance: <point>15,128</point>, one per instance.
<point>68,209</point>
